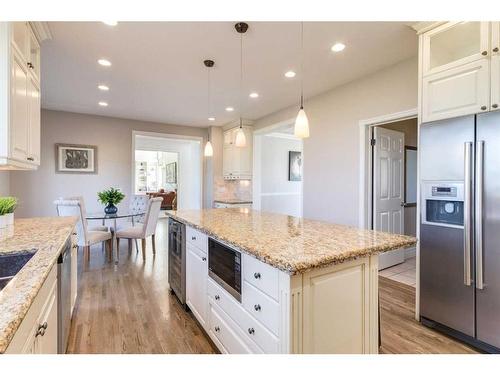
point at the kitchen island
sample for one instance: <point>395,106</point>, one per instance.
<point>289,285</point>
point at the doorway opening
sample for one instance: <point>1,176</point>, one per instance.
<point>169,167</point>
<point>278,170</point>
<point>392,157</point>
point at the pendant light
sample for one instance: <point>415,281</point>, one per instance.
<point>241,141</point>
<point>209,150</point>
<point>301,129</point>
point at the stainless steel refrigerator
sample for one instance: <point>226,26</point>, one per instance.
<point>460,228</point>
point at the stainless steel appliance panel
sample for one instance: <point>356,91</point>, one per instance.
<point>446,290</point>
<point>444,297</point>
<point>177,258</point>
<point>442,148</point>
<point>64,298</point>
<point>488,228</point>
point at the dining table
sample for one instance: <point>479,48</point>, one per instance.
<point>104,217</point>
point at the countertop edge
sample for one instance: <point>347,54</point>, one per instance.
<point>365,252</point>
<point>8,331</point>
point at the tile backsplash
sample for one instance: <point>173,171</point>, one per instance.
<point>235,189</point>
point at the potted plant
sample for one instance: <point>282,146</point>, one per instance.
<point>110,197</point>
<point>7,208</point>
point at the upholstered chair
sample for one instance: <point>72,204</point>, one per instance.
<point>143,230</point>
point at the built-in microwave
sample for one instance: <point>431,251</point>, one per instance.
<point>224,267</point>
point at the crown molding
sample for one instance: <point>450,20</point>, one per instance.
<point>423,26</point>
<point>41,30</point>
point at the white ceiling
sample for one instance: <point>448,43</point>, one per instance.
<point>158,72</point>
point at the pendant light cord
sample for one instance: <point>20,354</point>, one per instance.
<point>302,65</point>
<point>241,76</point>
<point>208,98</point>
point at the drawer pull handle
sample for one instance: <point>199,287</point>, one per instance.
<point>41,329</point>
<point>30,159</point>
<point>217,329</point>
<point>193,238</point>
<point>256,307</point>
<point>204,259</point>
<point>251,331</point>
<point>495,49</point>
<point>483,108</point>
<point>494,105</point>
<point>217,297</point>
<point>256,275</point>
<point>484,53</point>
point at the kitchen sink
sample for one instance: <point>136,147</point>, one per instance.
<point>11,264</point>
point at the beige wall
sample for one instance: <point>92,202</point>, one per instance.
<point>37,190</point>
<point>332,153</point>
<point>4,183</point>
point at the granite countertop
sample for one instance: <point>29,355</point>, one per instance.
<point>46,236</point>
<point>233,201</point>
<point>293,245</point>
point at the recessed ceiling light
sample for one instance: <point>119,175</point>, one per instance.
<point>229,109</point>
<point>290,74</point>
<point>103,104</point>
<point>104,62</point>
<point>337,47</point>
<point>211,119</point>
<point>103,88</point>
<point>254,95</point>
<point>110,23</point>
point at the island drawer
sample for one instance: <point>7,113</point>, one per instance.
<point>262,307</point>
<point>251,328</point>
<point>228,334</point>
<point>197,238</point>
<point>261,275</point>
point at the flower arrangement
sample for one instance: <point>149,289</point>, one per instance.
<point>110,197</point>
<point>7,207</point>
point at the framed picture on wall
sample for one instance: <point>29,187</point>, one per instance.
<point>294,166</point>
<point>76,158</point>
<point>171,173</point>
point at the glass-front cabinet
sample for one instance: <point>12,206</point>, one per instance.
<point>455,43</point>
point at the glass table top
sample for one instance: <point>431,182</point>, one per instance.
<point>118,215</point>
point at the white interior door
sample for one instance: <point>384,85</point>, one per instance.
<point>388,188</point>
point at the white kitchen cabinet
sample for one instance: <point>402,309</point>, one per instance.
<point>237,161</point>
<point>495,66</point>
<point>459,70</point>
<point>332,309</point>
<point>196,282</point>
<point>19,96</point>
<point>37,333</point>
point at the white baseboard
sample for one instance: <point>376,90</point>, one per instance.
<point>411,252</point>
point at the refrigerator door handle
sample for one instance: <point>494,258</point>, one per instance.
<point>479,214</point>
<point>467,212</point>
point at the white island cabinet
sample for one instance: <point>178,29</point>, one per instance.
<point>324,310</point>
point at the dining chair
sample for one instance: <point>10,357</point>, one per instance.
<point>142,230</point>
<point>85,236</point>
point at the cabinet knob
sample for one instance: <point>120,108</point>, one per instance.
<point>256,307</point>
<point>494,105</point>
<point>30,158</point>
<point>484,53</point>
<point>193,238</point>
<point>251,331</point>
<point>217,297</point>
<point>256,275</point>
<point>30,65</point>
<point>217,329</point>
<point>495,49</point>
<point>204,259</point>
<point>483,108</point>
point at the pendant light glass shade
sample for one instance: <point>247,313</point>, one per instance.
<point>301,129</point>
<point>209,150</point>
<point>241,140</point>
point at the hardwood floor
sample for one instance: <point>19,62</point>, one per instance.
<point>401,333</point>
<point>127,308</point>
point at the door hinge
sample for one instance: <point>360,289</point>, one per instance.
<point>372,142</point>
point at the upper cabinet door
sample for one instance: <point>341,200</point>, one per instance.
<point>19,108</point>
<point>20,38</point>
<point>34,56</point>
<point>495,66</point>
<point>453,44</point>
<point>456,92</point>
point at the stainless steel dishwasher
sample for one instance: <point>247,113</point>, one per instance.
<point>63,297</point>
